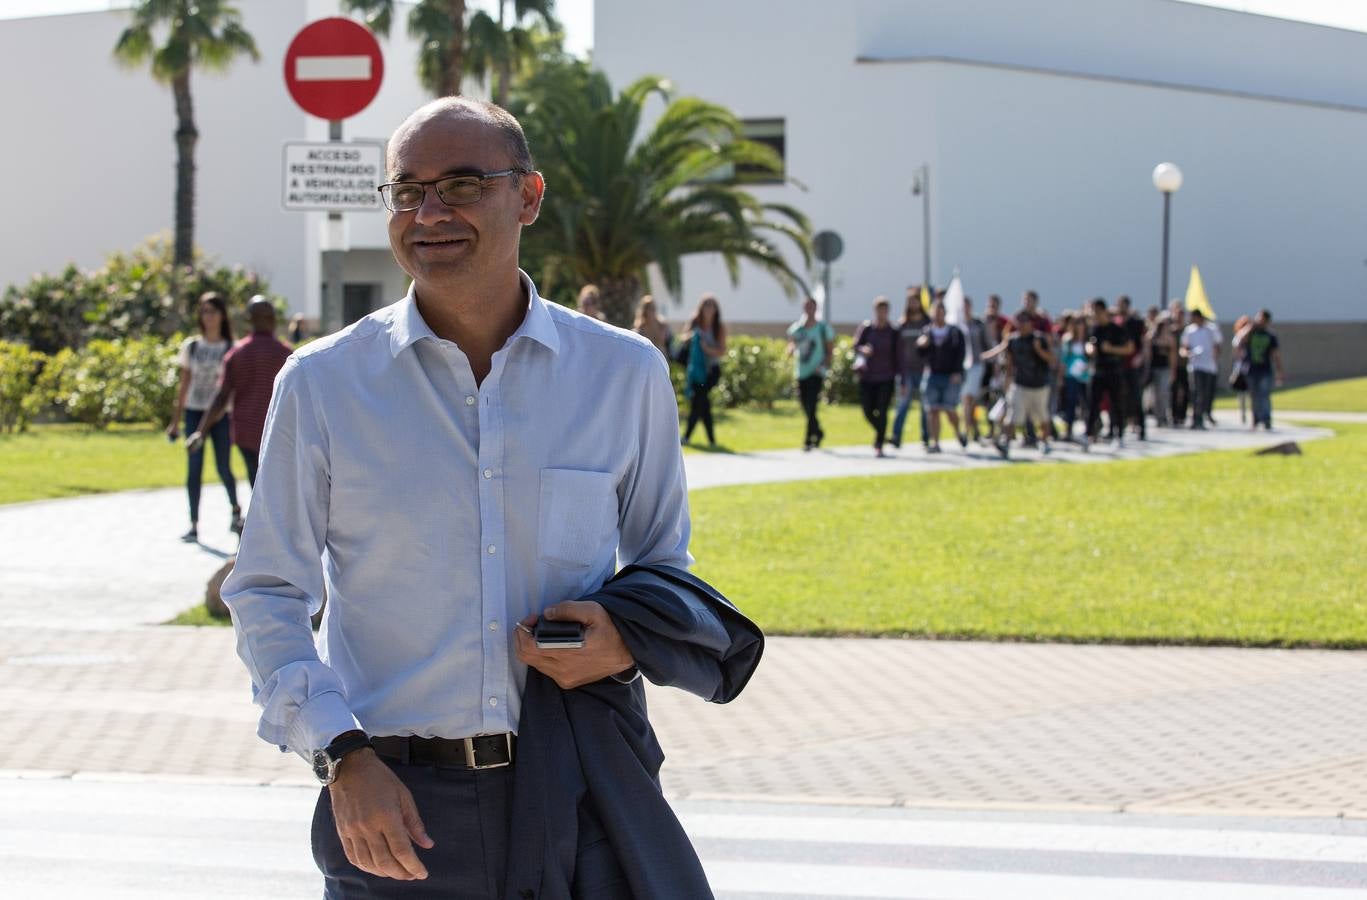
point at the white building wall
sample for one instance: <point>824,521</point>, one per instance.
<point>1038,180</point>
<point>105,134</point>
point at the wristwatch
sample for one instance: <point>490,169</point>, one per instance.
<point>325,761</point>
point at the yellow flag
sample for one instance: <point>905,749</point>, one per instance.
<point>1196,296</point>
<point>925,299</point>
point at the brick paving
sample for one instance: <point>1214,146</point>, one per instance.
<point>91,690</point>
<point>886,722</point>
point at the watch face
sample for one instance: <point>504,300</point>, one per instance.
<point>322,766</point>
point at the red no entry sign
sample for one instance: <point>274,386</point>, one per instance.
<point>333,68</point>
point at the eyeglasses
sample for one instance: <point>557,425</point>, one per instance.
<point>457,190</point>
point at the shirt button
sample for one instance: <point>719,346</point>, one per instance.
<point>488,473</point>
<point>491,549</point>
<point>493,626</point>
<point>493,701</point>
<point>469,400</point>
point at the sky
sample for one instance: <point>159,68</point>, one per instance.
<point>578,14</point>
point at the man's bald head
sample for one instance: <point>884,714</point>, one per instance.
<point>261,313</point>
<point>463,108</point>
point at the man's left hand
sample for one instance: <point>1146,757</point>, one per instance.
<point>602,655</point>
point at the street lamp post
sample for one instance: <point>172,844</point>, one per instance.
<point>1168,179</point>
<point>920,187</point>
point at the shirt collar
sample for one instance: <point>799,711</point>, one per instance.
<point>410,327</point>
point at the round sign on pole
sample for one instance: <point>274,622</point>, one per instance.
<point>333,68</point>
<point>827,246</point>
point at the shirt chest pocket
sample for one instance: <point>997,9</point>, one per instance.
<point>578,522</point>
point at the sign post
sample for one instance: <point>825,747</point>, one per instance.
<point>827,246</point>
<point>333,69</point>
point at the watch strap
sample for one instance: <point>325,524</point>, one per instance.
<point>347,742</point>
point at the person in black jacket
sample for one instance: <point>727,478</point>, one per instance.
<point>875,346</point>
<point>1110,348</point>
<point>943,347</point>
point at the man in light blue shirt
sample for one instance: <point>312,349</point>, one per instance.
<point>444,471</point>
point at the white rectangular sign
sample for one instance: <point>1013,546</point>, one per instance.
<point>332,68</point>
<point>337,177</point>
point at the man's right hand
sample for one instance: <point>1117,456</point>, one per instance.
<point>377,819</point>
<point>194,442</point>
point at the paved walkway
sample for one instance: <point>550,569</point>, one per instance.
<point>97,691</point>
<point>175,841</point>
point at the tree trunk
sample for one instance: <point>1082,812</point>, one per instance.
<point>505,76</point>
<point>186,137</point>
<point>618,297</point>
<point>455,51</point>
<point>505,65</point>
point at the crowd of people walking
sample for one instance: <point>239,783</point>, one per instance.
<point>997,378</point>
<point>1029,372</point>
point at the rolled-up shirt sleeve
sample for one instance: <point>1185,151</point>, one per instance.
<point>277,581</point>
<point>653,495</point>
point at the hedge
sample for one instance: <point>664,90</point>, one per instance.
<point>758,372</point>
<point>109,381</point>
<point>135,294</point>
<point>19,370</point>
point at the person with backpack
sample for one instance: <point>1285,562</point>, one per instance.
<point>811,342</point>
<point>201,364</point>
<point>943,347</point>
<point>706,343</point>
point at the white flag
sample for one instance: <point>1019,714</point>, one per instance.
<point>955,315</point>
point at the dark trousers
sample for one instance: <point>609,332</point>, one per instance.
<point>700,405</point>
<point>1260,392</point>
<point>1111,387</point>
<point>1203,396</point>
<point>809,392</point>
<point>1134,399</point>
<point>1181,395</point>
<point>194,475</point>
<point>252,458</point>
<point>875,397</point>
<point>1074,399</point>
<point>467,815</point>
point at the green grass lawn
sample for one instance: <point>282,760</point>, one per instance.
<point>1217,548</point>
<point>67,460</point>
<point>1346,395</point>
<point>783,427</point>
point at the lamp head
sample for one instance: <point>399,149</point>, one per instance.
<point>1167,178</point>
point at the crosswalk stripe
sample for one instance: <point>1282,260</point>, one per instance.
<point>1208,843</point>
<point>927,884</point>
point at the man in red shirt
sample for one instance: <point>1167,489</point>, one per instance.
<point>249,371</point>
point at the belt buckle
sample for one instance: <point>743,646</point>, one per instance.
<point>469,745</point>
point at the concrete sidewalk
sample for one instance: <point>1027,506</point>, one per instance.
<point>95,691</point>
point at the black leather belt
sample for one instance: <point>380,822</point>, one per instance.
<point>488,751</point>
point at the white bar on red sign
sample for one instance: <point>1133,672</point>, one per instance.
<point>332,68</point>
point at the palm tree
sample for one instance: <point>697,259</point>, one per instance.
<point>206,34</point>
<point>504,48</point>
<point>439,26</point>
<point>616,203</point>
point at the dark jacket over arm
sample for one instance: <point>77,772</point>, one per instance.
<point>596,741</point>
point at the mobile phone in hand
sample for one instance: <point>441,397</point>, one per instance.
<point>558,635</point>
